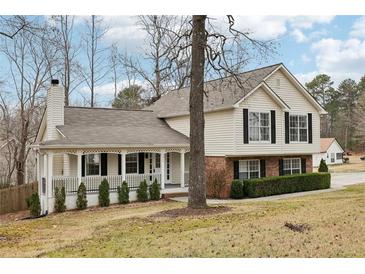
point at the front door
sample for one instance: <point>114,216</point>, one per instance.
<point>154,164</point>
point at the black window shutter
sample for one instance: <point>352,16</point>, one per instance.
<point>281,167</point>
<point>310,134</point>
<point>235,170</point>
<point>263,168</point>
<point>273,127</point>
<point>141,163</point>
<point>286,127</point>
<point>83,165</point>
<point>104,164</point>
<point>119,164</point>
<point>304,165</point>
<point>245,126</point>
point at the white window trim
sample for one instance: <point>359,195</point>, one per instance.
<point>259,142</point>
<point>299,142</point>
<point>137,164</point>
<point>85,166</point>
<point>248,167</point>
<point>291,169</point>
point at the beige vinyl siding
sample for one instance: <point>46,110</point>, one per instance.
<point>57,164</point>
<point>55,111</point>
<point>73,165</point>
<point>219,131</point>
<point>299,104</point>
<point>259,101</point>
<point>112,164</point>
<point>175,167</point>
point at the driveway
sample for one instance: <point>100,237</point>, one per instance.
<point>338,182</point>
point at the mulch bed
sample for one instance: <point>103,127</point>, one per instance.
<point>9,217</point>
<point>189,212</point>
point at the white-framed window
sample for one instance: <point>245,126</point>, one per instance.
<point>259,126</point>
<point>333,157</point>
<point>158,160</point>
<point>292,166</point>
<point>339,156</point>
<point>131,163</point>
<point>298,128</point>
<point>92,164</point>
<point>249,169</point>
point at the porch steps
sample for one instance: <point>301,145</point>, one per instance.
<point>174,195</point>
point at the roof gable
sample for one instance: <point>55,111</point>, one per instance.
<point>222,94</point>
<point>274,96</point>
<point>294,81</point>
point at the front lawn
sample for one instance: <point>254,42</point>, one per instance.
<point>336,222</point>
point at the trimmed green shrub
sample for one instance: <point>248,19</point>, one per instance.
<point>286,184</point>
<point>104,199</point>
<point>142,195</point>
<point>34,205</point>
<point>237,189</point>
<point>323,166</point>
<point>123,193</point>
<point>154,190</point>
<point>60,199</point>
<point>81,202</point>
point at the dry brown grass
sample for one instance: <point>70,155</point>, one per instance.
<point>355,165</point>
<point>252,229</point>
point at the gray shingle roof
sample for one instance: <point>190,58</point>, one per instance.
<point>222,93</point>
<point>101,126</point>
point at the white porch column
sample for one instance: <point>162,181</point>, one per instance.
<point>79,168</point>
<point>49,181</point>
<point>163,171</point>
<point>38,174</point>
<point>44,202</point>
<point>123,165</point>
<point>182,168</point>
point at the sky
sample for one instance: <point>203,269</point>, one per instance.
<point>307,45</point>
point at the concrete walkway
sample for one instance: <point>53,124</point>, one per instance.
<point>339,181</point>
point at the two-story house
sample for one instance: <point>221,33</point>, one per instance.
<point>264,125</point>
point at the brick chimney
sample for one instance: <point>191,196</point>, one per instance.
<point>55,109</point>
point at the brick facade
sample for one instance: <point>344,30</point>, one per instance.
<point>217,164</point>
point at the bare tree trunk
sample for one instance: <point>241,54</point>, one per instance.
<point>93,41</point>
<point>197,192</point>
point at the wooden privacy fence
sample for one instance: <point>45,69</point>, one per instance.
<point>13,199</point>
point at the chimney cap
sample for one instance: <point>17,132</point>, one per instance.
<point>55,82</point>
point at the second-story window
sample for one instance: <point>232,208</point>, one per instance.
<point>298,128</point>
<point>259,126</point>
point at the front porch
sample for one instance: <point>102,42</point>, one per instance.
<point>70,168</point>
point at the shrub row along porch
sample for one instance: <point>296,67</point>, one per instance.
<point>69,168</point>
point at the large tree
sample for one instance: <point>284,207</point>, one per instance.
<point>31,56</point>
<point>129,98</point>
<point>349,93</point>
<point>321,87</point>
<point>68,50</point>
<point>222,53</point>
<point>165,68</point>
<point>97,66</point>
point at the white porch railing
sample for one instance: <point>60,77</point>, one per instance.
<point>92,183</point>
<point>134,180</point>
<point>71,184</point>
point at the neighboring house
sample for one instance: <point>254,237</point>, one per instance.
<point>331,151</point>
<point>268,125</point>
